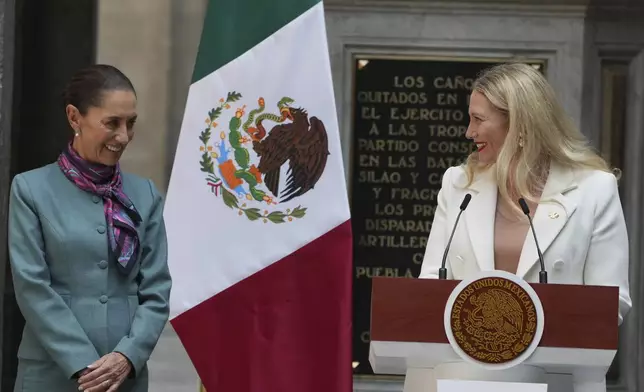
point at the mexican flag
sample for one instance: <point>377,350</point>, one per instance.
<point>257,212</point>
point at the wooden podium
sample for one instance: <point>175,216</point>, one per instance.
<point>408,336</point>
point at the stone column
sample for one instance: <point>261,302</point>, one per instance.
<point>134,36</point>
<point>187,22</point>
<point>632,347</point>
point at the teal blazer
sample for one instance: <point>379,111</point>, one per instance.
<point>77,306</point>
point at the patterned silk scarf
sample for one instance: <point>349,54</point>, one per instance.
<point>120,213</point>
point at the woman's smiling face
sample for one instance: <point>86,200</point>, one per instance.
<point>104,131</point>
<point>488,128</point>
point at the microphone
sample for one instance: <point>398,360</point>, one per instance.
<point>543,274</point>
<point>442,272</point>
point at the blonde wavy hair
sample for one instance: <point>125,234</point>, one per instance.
<point>539,132</point>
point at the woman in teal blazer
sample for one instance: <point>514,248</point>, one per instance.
<point>88,252</point>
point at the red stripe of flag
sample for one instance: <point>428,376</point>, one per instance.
<point>287,328</point>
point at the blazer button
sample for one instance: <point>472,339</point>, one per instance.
<point>102,264</point>
<point>558,264</point>
<point>101,229</point>
<point>96,199</point>
<point>103,299</point>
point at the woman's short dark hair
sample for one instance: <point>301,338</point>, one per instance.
<point>86,87</point>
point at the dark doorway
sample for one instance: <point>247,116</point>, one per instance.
<point>52,39</point>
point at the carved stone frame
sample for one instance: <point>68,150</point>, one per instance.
<point>631,355</point>
<point>631,347</point>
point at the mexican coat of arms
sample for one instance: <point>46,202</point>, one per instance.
<point>243,165</point>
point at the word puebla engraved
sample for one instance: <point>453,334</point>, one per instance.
<point>494,320</point>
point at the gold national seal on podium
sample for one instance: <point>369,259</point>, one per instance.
<point>495,320</point>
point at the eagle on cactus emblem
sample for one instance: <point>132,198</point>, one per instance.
<point>244,165</point>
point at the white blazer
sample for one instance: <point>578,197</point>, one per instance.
<point>579,224</point>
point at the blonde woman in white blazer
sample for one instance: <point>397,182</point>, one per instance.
<point>527,147</point>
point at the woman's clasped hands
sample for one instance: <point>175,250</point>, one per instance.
<point>105,375</point>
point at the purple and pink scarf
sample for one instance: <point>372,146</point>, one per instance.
<point>120,213</point>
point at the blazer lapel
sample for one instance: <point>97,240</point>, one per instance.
<point>479,217</point>
<point>552,213</point>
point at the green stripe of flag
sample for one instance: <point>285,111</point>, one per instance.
<point>232,27</point>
